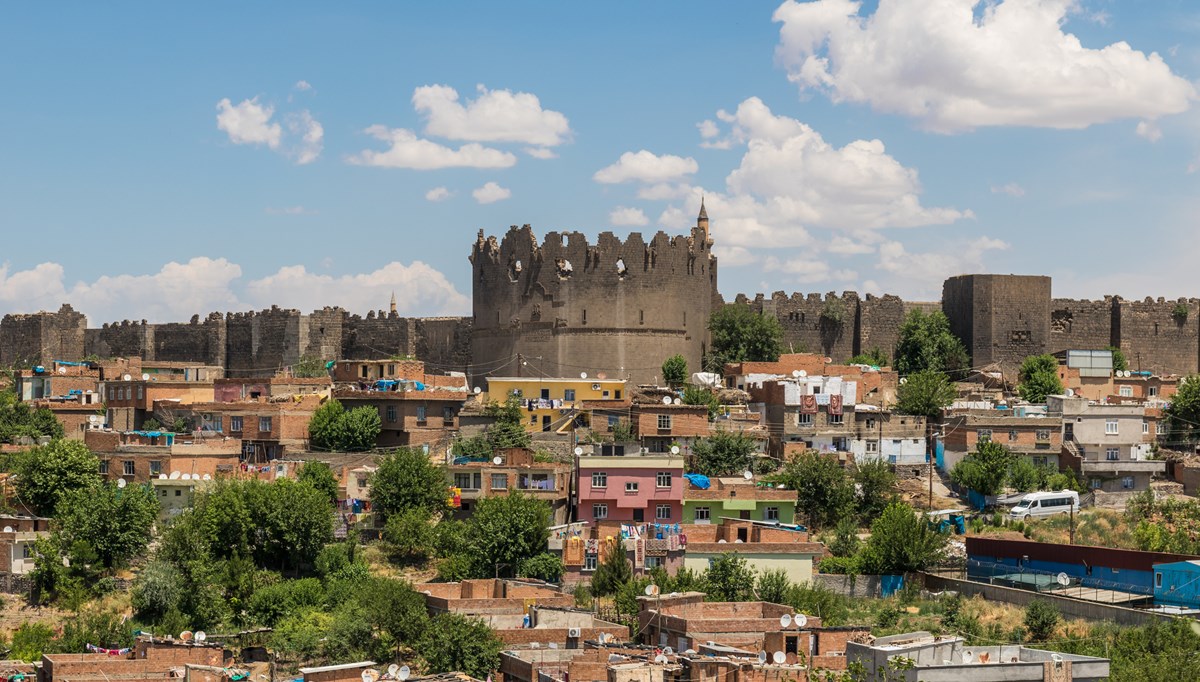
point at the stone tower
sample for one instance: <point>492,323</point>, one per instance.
<point>565,306</point>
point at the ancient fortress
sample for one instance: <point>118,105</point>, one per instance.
<point>619,308</point>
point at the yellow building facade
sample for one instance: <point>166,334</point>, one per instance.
<point>552,404</point>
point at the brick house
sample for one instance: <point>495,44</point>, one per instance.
<point>875,386</point>
<point>138,457</point>
<point>484,596</point>
<point>267,430</point>
<point>658,427</point>
<point>416,409</point>
<point>517,471</point>
<point>1037,437</point>
<point>1109,445</point>
<point>739,498</point>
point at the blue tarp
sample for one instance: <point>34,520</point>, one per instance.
<point>890,584</point>
<point>698,480</point>
<point>420,386</point>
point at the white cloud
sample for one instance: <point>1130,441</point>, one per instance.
<point>790,181</point>
<point>925,272</point>
<point>438,194</point>
<point>847,246</point>
<point>490,193</point>
<point>623,215</point>
<point>311,137</point>
<point>302,86</point>
<point>936,62</point>
<point>493,116</point>
<point>249,122</point>
<point>424,290</point>
<point>1149,130</point>
<point>202,285</point>
<point>289,210</point>
<point>807,270</point>
<point>733,256</point>
<point>644,166</point>
<point>1012,189</point>
<point>541,153</point>
<point>708,129</point>
<point>662,191</point>
<point>409,151</point>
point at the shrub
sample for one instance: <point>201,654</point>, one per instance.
<point>1041,619</point>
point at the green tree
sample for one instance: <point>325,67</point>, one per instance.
<point>309,367</point>
<point>115,522</point>
<point>724,453</point>
<point>156,591</point>
<point>409,534</point>
<point>1025,476</point>
<point>845,541</point>
<point>773,586</point>
<point>506,531</point>
<point>876,487</point>
<point>1039,378</point>
<point>545,566</point>
<point>824,491</point>
<point>332,427</point>
<point>45,473</point>
<point>319,476</point>
<point>675,370</point>
<point>613,572</point>
<point>406,479</point>
<point>985,470</point>
<point>1041,619</point>
<point>925,393</point>
<point>902,542</point>
<point>728,578</point>
<point>741,335</point>
<point>926,343</point>
<point>394,609</point>
<point>1120,363</point>
<point>20,420</point>
<point>1183,414</point>
<point>456,643</point>
<point>702,395</point>
<point>874,357</point>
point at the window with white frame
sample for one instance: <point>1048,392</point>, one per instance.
<point>589,562</point>
<point>1152,391</point>
<point>1112,454</point>
<point>391,414</point>
<point>804,419</point>
<point>569,394</point>
<point>654,562</point>
<point>235,423</point>
<point>631,486</point>
<point>663,480</point>
<point>872,447</point>
<point>104,467</point>
<point>1127,482</point>
<point>1145,427</point>
<point>599,479</point>
<point>771,514</point>
<point>1126,391</point>
<point>264,424</point>
<point>599,511</point>
<point>701,514</point>
<point>662,512</point>
<point>835,419</point>
<point>870,422</point>
<point>127,468</point>
<point>499,481</point>
<point>1110,427</point>
<point>664,422</point>
<point>420,413</point>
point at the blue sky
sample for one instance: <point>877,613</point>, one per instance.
<point>158,160</point>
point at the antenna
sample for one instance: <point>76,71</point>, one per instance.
<point>668,651</point>
<point>803,373</point>
<point>674,449</point>
<point>583,375</point>
<point>666,400</point>
<point>92,419</point>
<point>967,656</point>
<point>800,620</point>
<point>762,657</point>
<point>1063,579</point>
<point>785,620</point>
<point>651,590</point>
<point>145,377</point>
<point>8,529</point>
<point>174,475</point>
<point>392,669</point>
<point>796,374</point>
<point>62,370</point>
<point>185,636</point>
<point>127,377</point>
<point>200,636</point>
<point>578,450</point>
<point>747,474</point>
<point>404,673</point>
<point>162,477</point>
<point>779,658</point>
<point>903,380</point>
<point>497,460</point>
<point>477,390</point>
<point>207,477</point>
<point>121,483</point>
<point>677,401</point>
<point>660,659</point>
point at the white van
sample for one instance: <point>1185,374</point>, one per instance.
<point>1045,504</point>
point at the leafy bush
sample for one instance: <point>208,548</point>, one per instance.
<point>1041,619</point>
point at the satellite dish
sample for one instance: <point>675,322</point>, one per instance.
<point>535,645</point>
<point>967,656</point>
<point>366,676</point>
<point>403,673</point>
<point>674,449</point>
<point>1056,658</point>
<point>392,669</point>
<point>666,400</point>
<point>668,651</point>
<point>785,621</point>
<point>651,590</point>
<point>185,636</point>
<point>207,477</point>
<point>121,483</point>
<point>162,477</point>
<point>127,377</point>
<point>800,620</point>
<point>689,652</point>
<point>1063,579</point>
<point>477,390</point>
<point>174,475</point>
<point>200,636</point>
<point>779,658</point>
<point>803,373</point>
<point>1070,393</point>
<point>497,460</point>
<point>145,377</point>
<point>553,645</point>
<point>796,374</point>
<point>92,419</point>
<point>762,657</point>
<point>677,401</point>
<point>828,360</point>
<point>747,475</point>
<point>578,450</point>
<point>62,370</point>
<point>8,529</point>
<point>903,380</point>
<point>721,541</point>
<point>660,659</point>
<point>583,375</point>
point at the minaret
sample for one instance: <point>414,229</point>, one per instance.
<point>394,297</point>
<point>702,222</point>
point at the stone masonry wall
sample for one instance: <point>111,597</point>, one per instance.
<point>1154,338</point>
<point>1081,325</point>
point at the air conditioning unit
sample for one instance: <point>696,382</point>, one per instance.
<point>573,633</point>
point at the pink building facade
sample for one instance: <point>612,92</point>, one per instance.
<point>630,489</point>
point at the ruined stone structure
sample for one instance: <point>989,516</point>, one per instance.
<point>619,308</point>
<point>564,307</point>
